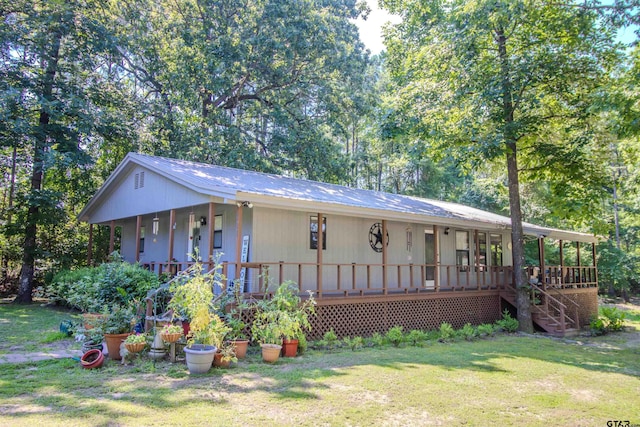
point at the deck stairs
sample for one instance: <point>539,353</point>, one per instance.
<point>555,314</point>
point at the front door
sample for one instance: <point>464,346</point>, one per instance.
<point>430,258</point>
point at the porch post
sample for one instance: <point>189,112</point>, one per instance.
<point>595,263</point>
<point>112,237</point>
<point>561,243</point>
<point>578,262</point>
<point>138,225</point>
<point>384,256</point>
<point>90,245</point>
<point>212,229</point>
<point>436,243</point>
<point>172,233</point>
<point>238,241</point>
<point>542,264</point>
<point>476,239</point>
<point>319,254</point>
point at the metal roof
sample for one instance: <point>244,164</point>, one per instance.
<point>231,183</point>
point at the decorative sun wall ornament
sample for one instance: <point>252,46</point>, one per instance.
<point>375,237</point>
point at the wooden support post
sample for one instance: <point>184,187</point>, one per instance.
<point>211,231</point>
<point>172,233</point>
<point>384,257</point>
<point>90,246</point>
<point>595,264</point>
<point>238,241</point>
<point>436,243</point>
<point>476,238</point>
<point>138,229</point>
<point>112,237</point>
<point>542,263</point>
<point>579,263</point>
<point>319,254</point>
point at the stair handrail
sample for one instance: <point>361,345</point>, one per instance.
<point>561,306</point>
<point>576,306</point>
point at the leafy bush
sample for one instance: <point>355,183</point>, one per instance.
<point>89,289</point>
<point>331,339</point>
<point>354,343</point>
<point>609,319</point>
<point>468,332</point>
<point>376,340</point>
<point>507,323</point>
<point>395,336</point>
<point>447,333</point>
<point>416,337</point>
<point>486,329</point>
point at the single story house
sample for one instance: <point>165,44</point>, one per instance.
<point>372,259</point>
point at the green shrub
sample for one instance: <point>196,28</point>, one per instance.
<point>507,323</point>
<point>609,319</point>
<point>376,340</point>
<point>331,339</point>
<point>395,336</point>
<point>486,330</point>
<point>354,343</point>
<point>416,337</point>
<point>468,332</point>
<point>447,333</point>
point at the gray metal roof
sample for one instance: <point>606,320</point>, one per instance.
<point>228,182</point>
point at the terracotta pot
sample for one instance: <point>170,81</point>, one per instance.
<point>199,358</point>
<point>289,348</point>
<point>92,359</point>
<point>270,352</point>
<point>113,344</point>
<point>135,348</point>
<point>219,363</point>
<point>240,348</point>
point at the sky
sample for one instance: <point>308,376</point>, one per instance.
<point>371,29</point>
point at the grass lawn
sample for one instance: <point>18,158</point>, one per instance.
<point>506,380</point>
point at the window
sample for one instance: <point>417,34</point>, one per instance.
<point>496,249</point>
<point>217,232</point>
<point>481,262</point>
<point>141,239</point>
<point>313,231</point>
<point>462,250</point>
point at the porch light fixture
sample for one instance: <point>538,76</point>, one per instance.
<point>245,204</point>
<point>203,220</point>
<point>446,231</point>
<point>155,226</point>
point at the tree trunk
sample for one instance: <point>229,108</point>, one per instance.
<point>41,140</point>
<point>523,301</point>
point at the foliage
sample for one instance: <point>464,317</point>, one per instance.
<point>170,329</point>
<point>354,343</point>
<point>116,319</point>
<point>416,337</point>
<point>193,297</point>
<point>377,340</point>
<point>395,336</point>
<point>617,268</point>
<point>447,333</point>
<point>228,353</point>
<point>136,339</point>
<point>88,289</point>
<point>486,329</point>
<point>468,332</point>
<point>609,319</point>
<point>507,323</point>
<point>331,339</point>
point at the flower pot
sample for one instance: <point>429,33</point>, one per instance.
<point>289,348</point>
<point>91,345</point>
<point>113,344</point>
<point>92,359</point>
<point>219,363</point>
<point>270,352</point>
<point>199,358</point>
<point>240,348</point>
<point>135,348</point>
<point>170,337</point>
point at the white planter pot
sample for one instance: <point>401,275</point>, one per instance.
<point>200,358</point>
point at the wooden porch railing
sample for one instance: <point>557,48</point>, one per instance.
<point>549,305</point>
<point>560,277</point>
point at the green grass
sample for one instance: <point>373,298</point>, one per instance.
<point>507,380</point>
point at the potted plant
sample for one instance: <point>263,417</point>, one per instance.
<point>225,355</point>
<point>266,329</point>
<point>171,333</point>
<point>135,343</point>
<point>234,305</point>
<point>116,325</point>
<point>294,320</point>
<point>195,298</point>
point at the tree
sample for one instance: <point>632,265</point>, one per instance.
<point>53,85</point>
<point>492,78</point>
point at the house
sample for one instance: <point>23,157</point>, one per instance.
<point>372,259</point>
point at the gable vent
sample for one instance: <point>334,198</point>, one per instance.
<point>138,181</point>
